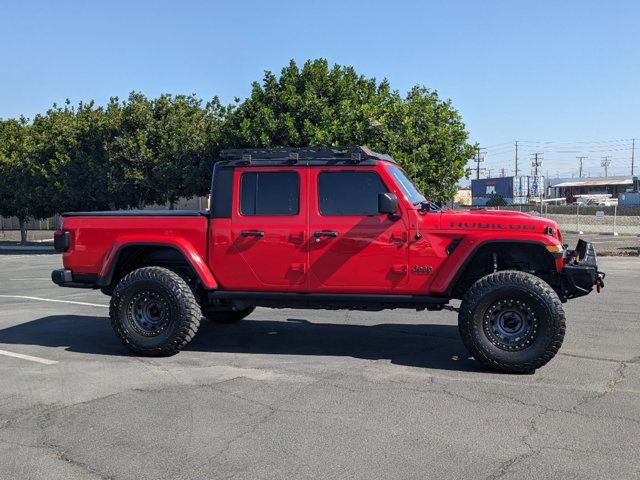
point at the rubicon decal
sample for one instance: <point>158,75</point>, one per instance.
<point>495,226</point>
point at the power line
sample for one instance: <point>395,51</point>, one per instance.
<point>618,140</point>
<point>499,144</point>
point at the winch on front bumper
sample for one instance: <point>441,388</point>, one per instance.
<point>581,271</point>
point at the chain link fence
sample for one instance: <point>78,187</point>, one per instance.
<point>613,220</point>
<point>12,223</point>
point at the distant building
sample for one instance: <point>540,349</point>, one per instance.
<point>570,188</point>
<point>463,197</point>
<point>509,190</point>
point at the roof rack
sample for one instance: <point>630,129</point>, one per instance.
<point>303,155</point>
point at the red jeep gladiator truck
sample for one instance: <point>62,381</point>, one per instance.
<point>330,228</point>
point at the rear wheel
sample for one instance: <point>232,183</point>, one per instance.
<point>226,316</point>
<point>512,322</point>
<point>154,312</point>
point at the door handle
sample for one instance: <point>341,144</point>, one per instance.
<point>252,233</point>
<point>325,233</point>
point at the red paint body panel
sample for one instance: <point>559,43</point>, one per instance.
<point>369,254</point>
<point>95,241</point>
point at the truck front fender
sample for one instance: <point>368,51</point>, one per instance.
<point>456,263</point>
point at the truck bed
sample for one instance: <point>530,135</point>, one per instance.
<point>97,237</point>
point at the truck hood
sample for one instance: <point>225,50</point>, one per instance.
<point>495,220</point>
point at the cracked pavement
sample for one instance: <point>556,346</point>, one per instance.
<point>312,394</point>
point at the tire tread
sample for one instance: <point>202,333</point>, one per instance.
<point>188,325</point>
<point>522,280</point>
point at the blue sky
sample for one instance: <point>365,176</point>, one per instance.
<point>562,77</point>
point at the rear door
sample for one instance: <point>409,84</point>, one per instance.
<point>353,248</point>
<point>266,246</point>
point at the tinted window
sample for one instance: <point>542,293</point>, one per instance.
<point>221,192</point>
<point>269,193</point>
<point>349,193</point>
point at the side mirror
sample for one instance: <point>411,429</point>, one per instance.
<point>387,203</point>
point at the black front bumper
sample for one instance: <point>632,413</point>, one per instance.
<point>581,273</point>
<point>66,278</point>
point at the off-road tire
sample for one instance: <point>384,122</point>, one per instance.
<point>226,316</point>
<point>180,311</point>
<point>477,310</point>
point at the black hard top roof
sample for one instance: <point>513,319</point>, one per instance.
<point>357,155</point>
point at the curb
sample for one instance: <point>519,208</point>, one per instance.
<point>19,250</point>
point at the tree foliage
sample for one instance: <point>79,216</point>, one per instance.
<point>24,188</point>
<point>141,151</point>
<point>320,105</point>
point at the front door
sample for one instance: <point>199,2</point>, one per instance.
<point>352,247</point>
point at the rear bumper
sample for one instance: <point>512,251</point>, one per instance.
<point>66,278</point>
<point>581,273</point>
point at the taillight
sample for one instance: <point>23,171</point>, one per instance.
<point>61,241</point>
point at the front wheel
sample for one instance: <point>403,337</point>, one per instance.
<point>154,312</point>
<point>512,322</point>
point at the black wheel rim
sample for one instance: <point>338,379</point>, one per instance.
<point>148,313</point>
<point>511,324</point>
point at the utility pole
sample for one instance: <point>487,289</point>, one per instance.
<point>580,159</point>
<point>633,153</point>
<point>503,172</point>
<point>516,158</point>
<point>605,163</point>
<point>478,161</point>
<point>536,163</point>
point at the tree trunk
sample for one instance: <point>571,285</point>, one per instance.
<point>172,205</point>
<point>23,231</point>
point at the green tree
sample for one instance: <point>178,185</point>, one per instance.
<point>69,143</point>
<point>186,138</point>
<point>131,152</point>
<point>24,189</point>
<point>321,105</point>
<point>312,106</point>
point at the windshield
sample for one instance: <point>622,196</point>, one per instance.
<point>408,188</point>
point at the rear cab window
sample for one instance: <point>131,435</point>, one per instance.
<point>269,193</point>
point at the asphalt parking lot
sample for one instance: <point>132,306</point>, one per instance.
<point>293,394</point>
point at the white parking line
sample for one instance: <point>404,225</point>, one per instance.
<point>40,299</point>
<point>28,357</point>
<point>27,279</point>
